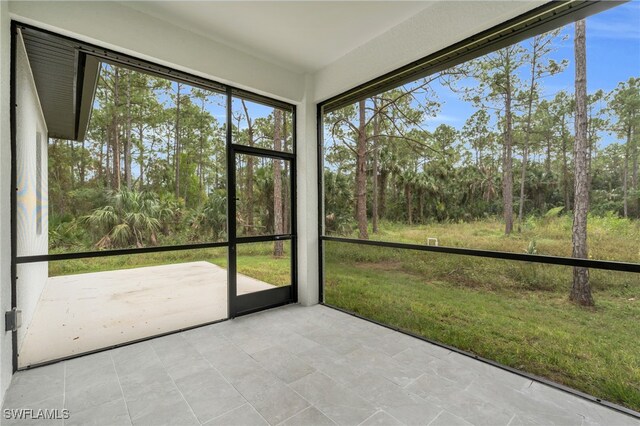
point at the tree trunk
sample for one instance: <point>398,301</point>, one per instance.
<point>249,191</point>
<point>382,193</point>
<point>278,248</point>
<point>527,134</point>
<point>116,132</point>
<point>374,180</point>
<point>507,165</point>
<point>590,143</point>
<point>169,148</point>
<point>625,175</point>
<point>141,157</point>
<point>82,165</point>
<point>581,289</point>
<point>634,172</point>
<point>177,148</point>
<point>71,164</point>
<point>565,168</point>
<point>101,161</point>
<point>108,179</point>
<point>201,156</point>
<point>361,175</point>
<point>127,142</point>
<point>547,160</point>
<point>285,184</point>
<point>409,197</point>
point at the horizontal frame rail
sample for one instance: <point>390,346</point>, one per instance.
<point>253,97</point>
<point>118,252</point>
<point>263,238</point>
<point>262,152</point>
<point>522,257</point>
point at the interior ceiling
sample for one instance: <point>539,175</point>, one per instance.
<point>303,36</point>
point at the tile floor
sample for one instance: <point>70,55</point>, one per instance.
<point>294,366</point>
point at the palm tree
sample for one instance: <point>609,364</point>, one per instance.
<point>130,218</point>
<point>338,202</point>
<point>210,219</point>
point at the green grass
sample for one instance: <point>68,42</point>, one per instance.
<point>255,260</point>
<point>609,237</point>
<point>512,312</point>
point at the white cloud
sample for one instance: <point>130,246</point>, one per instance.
<point>442,118</point>
<point>625,24</point>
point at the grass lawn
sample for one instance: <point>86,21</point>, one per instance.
<point>512,312</point>
<point>609,237</point>
<point>255,260</point>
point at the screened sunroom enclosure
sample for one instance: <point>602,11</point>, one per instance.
<point>122,202</point>
<point>466,210</point>
<point>453,189</point>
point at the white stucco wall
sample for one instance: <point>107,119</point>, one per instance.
<point>32,207</point>
<point>5,179</point>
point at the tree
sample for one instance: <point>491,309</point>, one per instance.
<point>498,83</point>
<point>581,289</point>
<point>278,249</point>
<point>177,143</point>
<point>476,133</point>
<point>147,115</point>
<point>625,105</point>
<point>129,219</point>
<point>541,46</point>
<point>562,107</point>
<point>249,188</point>
<point>395,116</point>
<point>127,141</point>
<point>375,193</point>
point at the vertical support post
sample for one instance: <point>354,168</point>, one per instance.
<point>293,178</point>
<point>231,211</point>
<point>321,215</point>
<point>14,170</point>
<point>307,184</point>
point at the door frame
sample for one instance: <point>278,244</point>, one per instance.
<point>252,302</point>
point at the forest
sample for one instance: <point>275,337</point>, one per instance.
<point>524,159</point>
<point>152,170</point>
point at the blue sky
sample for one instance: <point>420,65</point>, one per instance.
<point>613,55</point>
<point>216,106</point>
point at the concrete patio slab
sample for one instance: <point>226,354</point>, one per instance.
<point>85,312</point>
